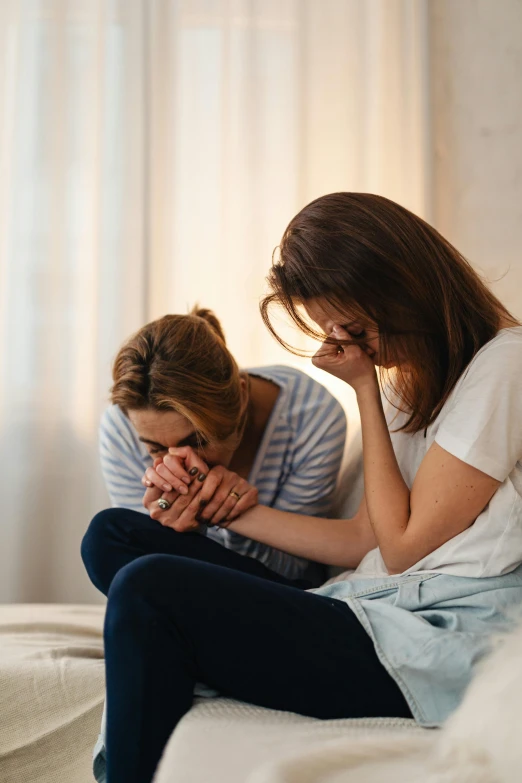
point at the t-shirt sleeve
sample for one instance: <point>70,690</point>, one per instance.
<point>121,462</point>
<point>484,425</point>
<point>318,452</point>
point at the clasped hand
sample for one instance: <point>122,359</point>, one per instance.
<point>197,494</point>
<point>350,363</point>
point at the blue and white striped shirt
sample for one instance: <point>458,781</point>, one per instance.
<point>295,468</point>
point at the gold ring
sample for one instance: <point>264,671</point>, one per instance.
<point>234,495</point>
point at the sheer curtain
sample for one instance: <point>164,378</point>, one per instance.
<point>151,154</point>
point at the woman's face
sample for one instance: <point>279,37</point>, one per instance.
<point>162,430</point>
<point>366,336</point>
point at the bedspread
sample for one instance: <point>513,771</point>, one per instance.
<point>51,691</point>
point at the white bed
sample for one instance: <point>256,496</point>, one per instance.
<point>51,701</point>
<point>51,692</point>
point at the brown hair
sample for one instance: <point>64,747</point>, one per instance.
<point>368,256</point>
<point>181,363</point>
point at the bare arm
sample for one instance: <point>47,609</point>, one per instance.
<point>447,494</point>
<point>332,541</point>
<point>446,497</point>
<point>338,542</point>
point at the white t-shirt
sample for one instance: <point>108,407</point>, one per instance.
<point>481,424</point>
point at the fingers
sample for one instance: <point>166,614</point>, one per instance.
<point>229,499</point>
<point>226,508</point>
<point>155,510</point>
<point>181,524</point>
<point>194,465</point>
<point>327,353</point>
<point>163,479</point>
<point>348,346</point>
<point>152,494</point>
<point>175,471</point>
<point>184,468</point>
<point>170,516</point>
<point>188,511</point>
<point>208,490</point>
<point>335,344</point>
<point>176,466</point>
<point>248,500</point>
<point>207,499</point>
<point>204,499</point>
<point>334,355</point>
<point>144,479</point>
<point>189,519</point>
<point>221,493</point>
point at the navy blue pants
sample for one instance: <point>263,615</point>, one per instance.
<point>175,617</point>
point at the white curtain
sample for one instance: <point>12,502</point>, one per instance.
<point>151,154</point>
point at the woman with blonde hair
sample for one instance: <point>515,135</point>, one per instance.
<point>434,553</point>
<point>190,442</point>
<point>187,426</point>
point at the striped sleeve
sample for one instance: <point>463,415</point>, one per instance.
<point>318,453</point>
<point>121,462</point>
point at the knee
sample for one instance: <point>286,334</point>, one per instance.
<point>154,577</point>
<point>160,580</point>
<point>95,539</point>
<point>137,586</point>
<point>135,577</point>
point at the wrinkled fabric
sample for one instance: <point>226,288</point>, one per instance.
<point>52,686</point>
<point>430,630</point>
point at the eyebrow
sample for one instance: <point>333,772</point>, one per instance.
<point>189,437</point>
<point>153,443</point>
<point>162,446</point>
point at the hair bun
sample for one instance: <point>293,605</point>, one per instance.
<point>210,318</point>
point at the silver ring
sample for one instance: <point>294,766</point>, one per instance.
<point>164,503</point>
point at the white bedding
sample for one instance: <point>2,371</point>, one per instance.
<point>51,692</point>
<point>226,741</point>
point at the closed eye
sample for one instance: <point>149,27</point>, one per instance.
<point>194,443</point>
<point>359,335</point>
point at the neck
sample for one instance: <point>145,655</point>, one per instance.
<point>262,396</point>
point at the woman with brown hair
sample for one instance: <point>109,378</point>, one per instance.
<point>434,552</point>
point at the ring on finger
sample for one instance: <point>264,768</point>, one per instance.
<point>164,504</point>
<point>234,495</point>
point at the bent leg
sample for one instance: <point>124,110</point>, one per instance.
<point>117,536</point>
<point>172,622</point>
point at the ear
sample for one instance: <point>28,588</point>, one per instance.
<point>244,380</point>
<point>245,392</point>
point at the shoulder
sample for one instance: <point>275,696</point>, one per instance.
<point>116,428</point>
<point>113,418</point>
<point>497,364</point>
<point>507,343</point>
<point>495,369</point>
<point>304,397</point>
<point>481,423</point>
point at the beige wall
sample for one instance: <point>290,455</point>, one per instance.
<point>476,120</point>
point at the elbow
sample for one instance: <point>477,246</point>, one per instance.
<point>398,560</point>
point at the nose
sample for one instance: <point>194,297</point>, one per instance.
<point>329,327</point>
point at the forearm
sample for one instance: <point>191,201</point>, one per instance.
<point>337,542</point>
<point>387,494</point>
